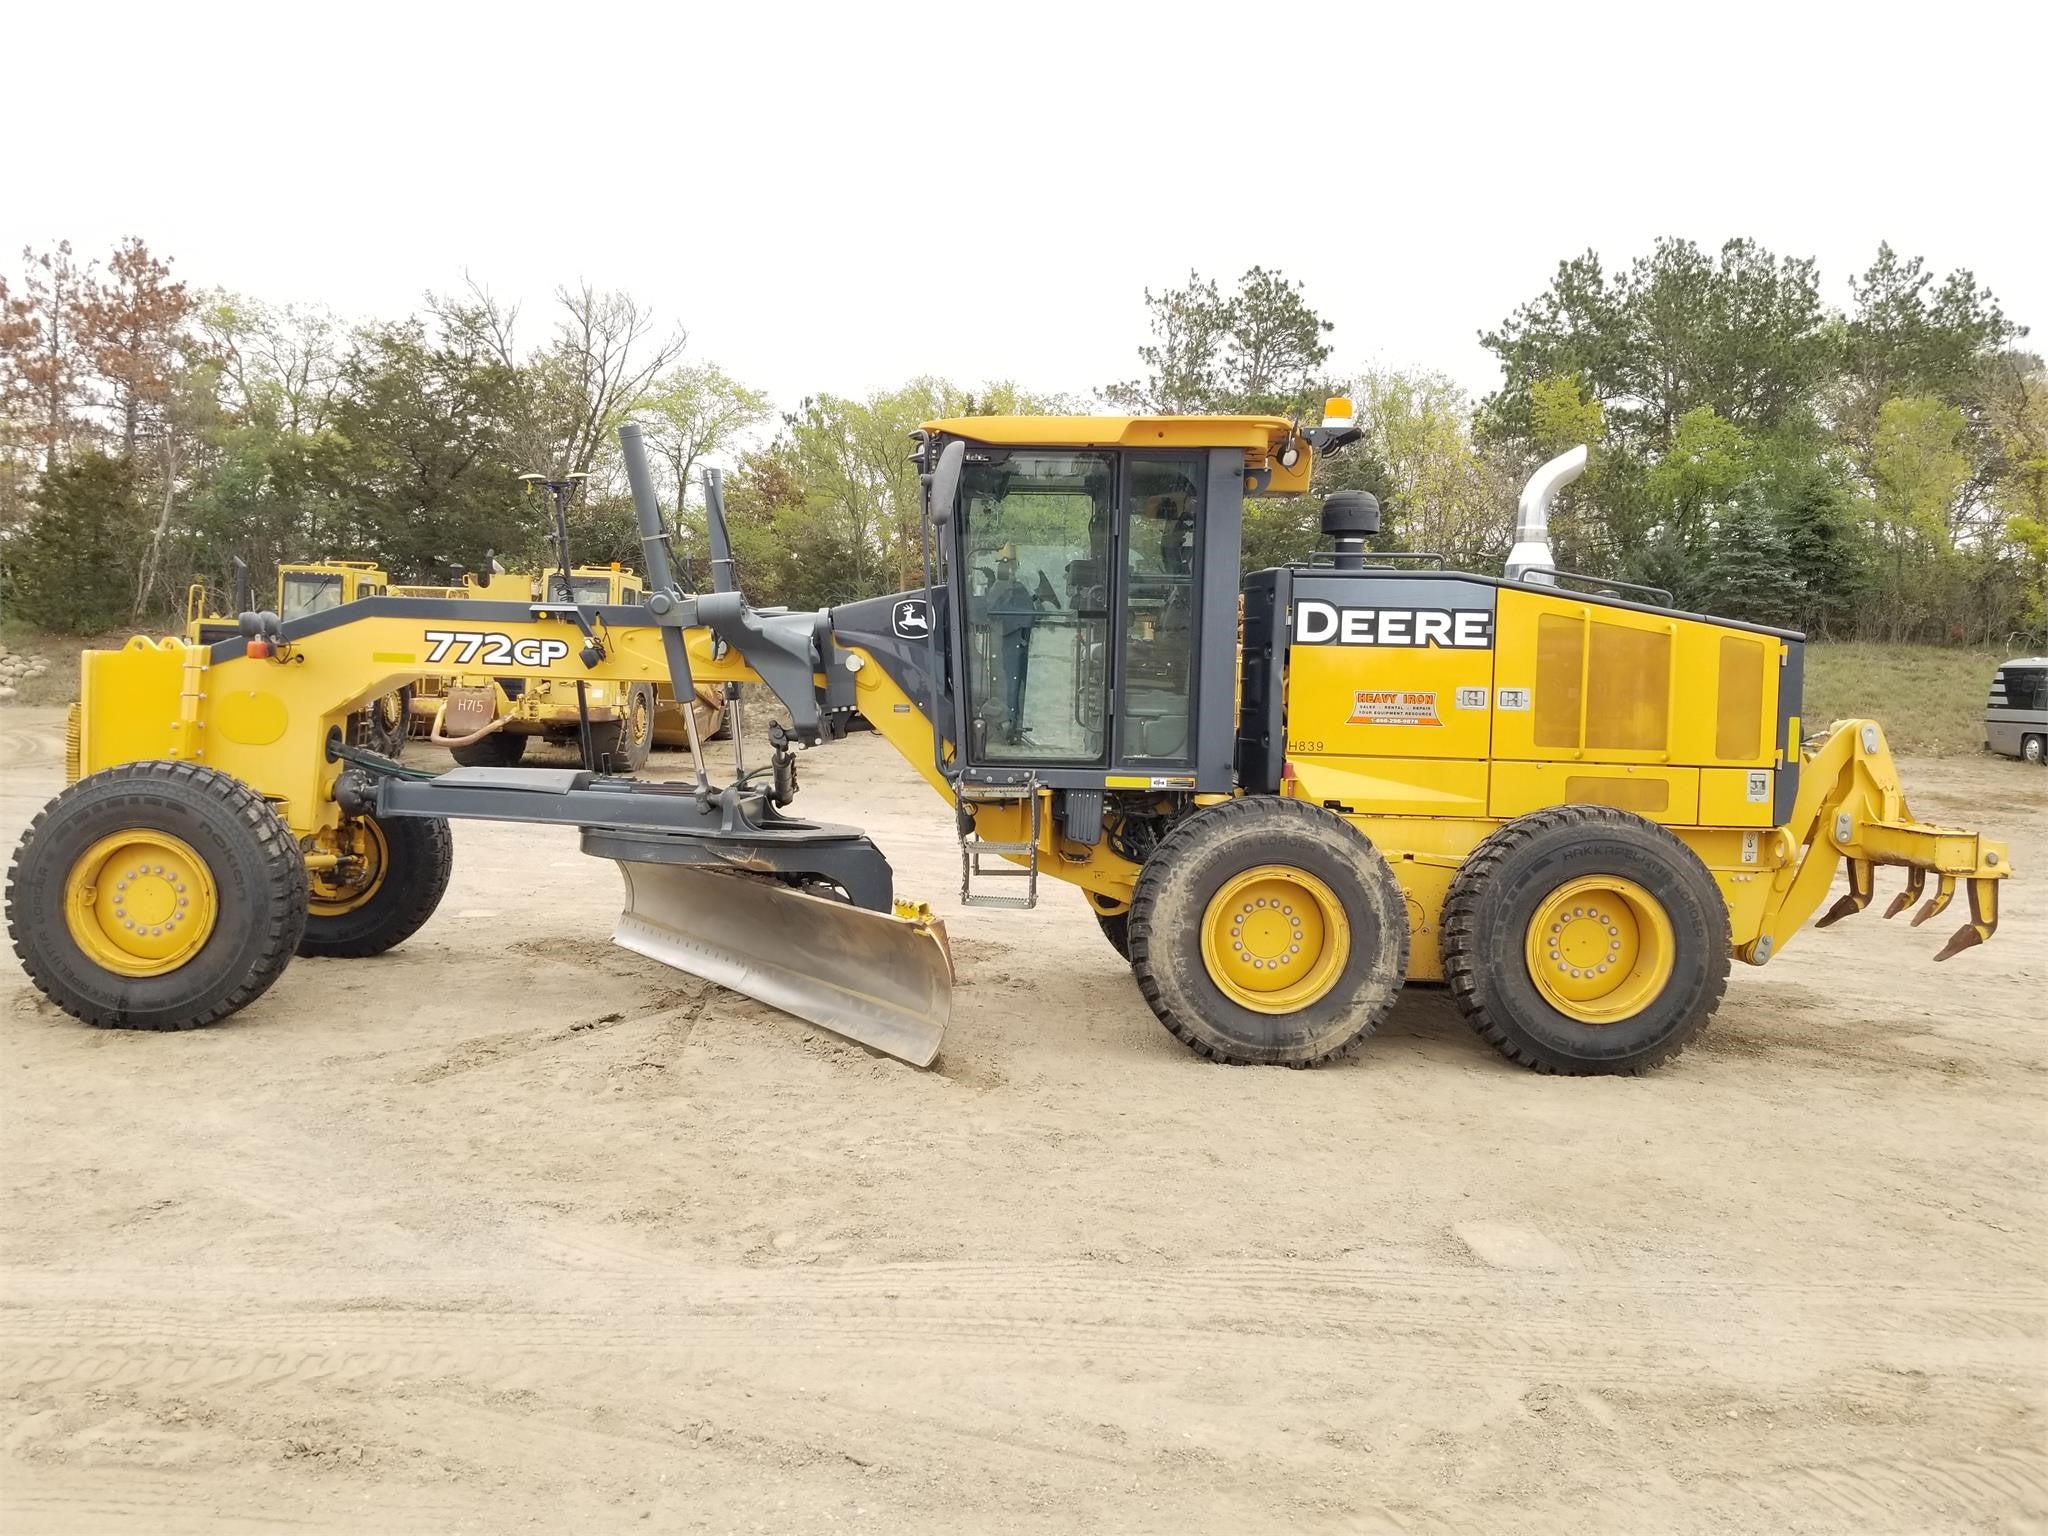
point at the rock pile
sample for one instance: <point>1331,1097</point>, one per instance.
<point>15,670</point>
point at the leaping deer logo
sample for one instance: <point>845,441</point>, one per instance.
<point>912,619</point>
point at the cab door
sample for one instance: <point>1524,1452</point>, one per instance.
<point>1159,603</point>
<point>1036,578</point>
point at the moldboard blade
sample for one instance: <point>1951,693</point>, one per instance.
<point>880,980</point>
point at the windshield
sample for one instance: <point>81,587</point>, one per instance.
<point>582,589</point>
<point>309,593</point>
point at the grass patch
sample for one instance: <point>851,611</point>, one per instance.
<point>1928,698</point>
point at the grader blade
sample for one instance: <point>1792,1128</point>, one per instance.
<point>883,981</point>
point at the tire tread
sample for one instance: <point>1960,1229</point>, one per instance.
<point>283,913</point>
<point>1175,851</point>
<point>1460,941</point>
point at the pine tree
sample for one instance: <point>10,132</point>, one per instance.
<point>1748,573</point>
<point>73,566</point>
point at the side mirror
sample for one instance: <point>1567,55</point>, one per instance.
<point>942,485</point>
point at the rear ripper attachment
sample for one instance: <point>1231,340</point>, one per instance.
<point>1858,816</point>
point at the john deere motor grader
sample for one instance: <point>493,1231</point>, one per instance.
<point>1282,798</point>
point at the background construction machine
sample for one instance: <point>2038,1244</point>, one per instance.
<point>487,718</point>
<point>1575,807</point>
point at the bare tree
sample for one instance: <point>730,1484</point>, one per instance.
<point>607,342</point>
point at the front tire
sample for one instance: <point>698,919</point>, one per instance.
<point>1268,931</point>
<point>395,879</point>
<point>156,895</point>
<point>1583,940</point>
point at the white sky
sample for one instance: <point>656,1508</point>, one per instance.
<point>838,198</point>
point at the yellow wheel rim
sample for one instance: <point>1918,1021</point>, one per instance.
<point>1275,939</point>
<point>332,892</point>
<point>1600,949</point>
<point>641,719</point>
<point>140,903</point>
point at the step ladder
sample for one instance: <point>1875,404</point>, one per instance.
<point>974,848</point>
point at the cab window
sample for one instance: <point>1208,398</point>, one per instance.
<point>307,592</point>
<point>1035,553</point>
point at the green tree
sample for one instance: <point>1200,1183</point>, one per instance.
<point>1437,492</point>
<point>1908,335</point>
<point>1259,351</point>
<point>851,458</point>
<point>72,567</point>
<point>693,411</point>
<point>1919,464</point>
<point>1707,462</point>
<point>1744,333</point>
<point>415,469</point>
<point>1747,572</point>
<point>1563,414</point>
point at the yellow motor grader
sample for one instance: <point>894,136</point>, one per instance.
<point>1283,797</point>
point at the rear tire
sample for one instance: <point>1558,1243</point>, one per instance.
<point>384,726</point>
<point>2034,750</point>
<point>1268,931</point>
<point>221,866</point>
<point>500,749</point>
<point>409,860</point>
<point>1544,907</point>
<point>628,740</point>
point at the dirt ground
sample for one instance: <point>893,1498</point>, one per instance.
<point>511,1230</point>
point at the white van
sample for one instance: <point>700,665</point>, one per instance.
<point>2016,717</point>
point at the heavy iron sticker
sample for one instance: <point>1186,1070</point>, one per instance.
<point>1394,706</point>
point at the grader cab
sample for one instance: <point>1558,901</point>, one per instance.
<point>1283,797</point>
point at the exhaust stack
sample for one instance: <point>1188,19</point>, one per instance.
<point>1530,559</point>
